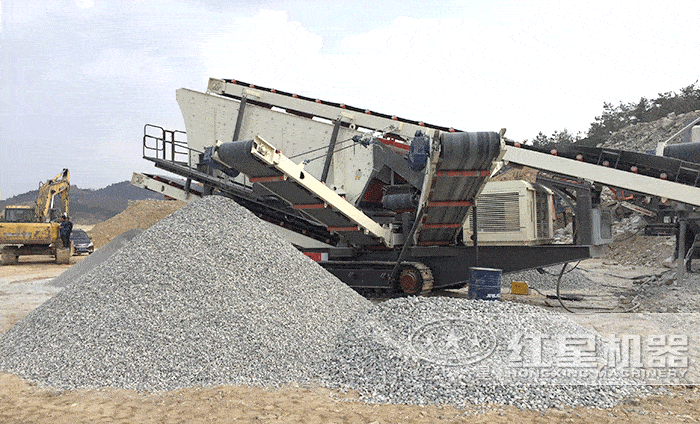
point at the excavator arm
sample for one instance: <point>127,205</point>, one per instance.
<point>60,184</point>
<point>64,189</point>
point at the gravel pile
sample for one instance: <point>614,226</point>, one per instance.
<point>668,294</point>
<point>462,352</point>
<point>564,235</point>
<point>626,227</point>
<point>100,255</point>
<point>641,250</point>
<point>207,296</point>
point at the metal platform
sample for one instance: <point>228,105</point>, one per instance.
<point>449,264</point>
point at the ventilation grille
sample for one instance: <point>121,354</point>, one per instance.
<point>498,213</point>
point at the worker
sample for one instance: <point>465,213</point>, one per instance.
<point>65,229</point>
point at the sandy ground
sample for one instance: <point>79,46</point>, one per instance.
<point>25,286</point>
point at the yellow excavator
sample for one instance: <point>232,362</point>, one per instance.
<point>33,230</point>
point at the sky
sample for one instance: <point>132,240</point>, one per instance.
<point>80,78</point>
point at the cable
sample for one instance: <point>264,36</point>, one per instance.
<point>323,156</point>
<point>561,302</point>
<point>377,133</point>
<point>601,310</point>
<point>544,271</point>
<point>320,148</point>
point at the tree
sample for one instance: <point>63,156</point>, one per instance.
<point>614,118</point>
<point>558,140</point>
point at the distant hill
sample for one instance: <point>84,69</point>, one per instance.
<point>88,206</point>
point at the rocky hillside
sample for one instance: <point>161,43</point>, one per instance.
<point>645,136</point>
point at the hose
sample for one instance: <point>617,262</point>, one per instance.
<point>601,310</point>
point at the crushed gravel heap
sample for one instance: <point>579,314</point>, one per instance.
<point>96,258</point>
<point>456,351</point>
<point>668,294</point>
<point>642,250</point>
<point>139,214</point>
<point>207,296</point>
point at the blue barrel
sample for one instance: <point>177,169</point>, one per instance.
<point>485,283</point>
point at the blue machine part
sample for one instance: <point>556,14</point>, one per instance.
<point>484,283</point>
<point>420,150</point>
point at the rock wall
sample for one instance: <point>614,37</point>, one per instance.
<point>645,136</point>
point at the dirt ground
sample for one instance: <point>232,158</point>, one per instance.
<point>25,286</point>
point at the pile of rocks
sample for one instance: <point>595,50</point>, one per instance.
<point>666,293</point>
<point>645,136</point>
<point>210,296</point>
<point>628,226</point>
<point>640,250</point>
<point>463,352</point>
<point>564,235</point>
<point>207,296</point>
<point>95,259</point>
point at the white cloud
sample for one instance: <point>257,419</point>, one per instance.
<point>550,70</point>
<point>85,74</point>
<point>85,4</point>
<point>264,49</point>
<point>123,64</point>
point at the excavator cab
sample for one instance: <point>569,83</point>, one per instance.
<point>20,214</point>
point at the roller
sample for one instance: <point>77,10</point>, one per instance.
<point>469,150</point>
<point>400,201</point>
<point>237,155</point>
<point>689,152</point>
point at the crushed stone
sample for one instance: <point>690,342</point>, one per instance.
<point>207,296</point>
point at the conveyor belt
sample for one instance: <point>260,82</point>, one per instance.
<point>267,166</point>
<point>461,170</point>
<point>652,175</point>
<point>460,165</point>
<point>195,189</point>
<point>271,212</point>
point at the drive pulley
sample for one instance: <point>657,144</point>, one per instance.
<point>415,278</point>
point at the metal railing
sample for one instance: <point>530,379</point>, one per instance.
<point>168,145</point>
